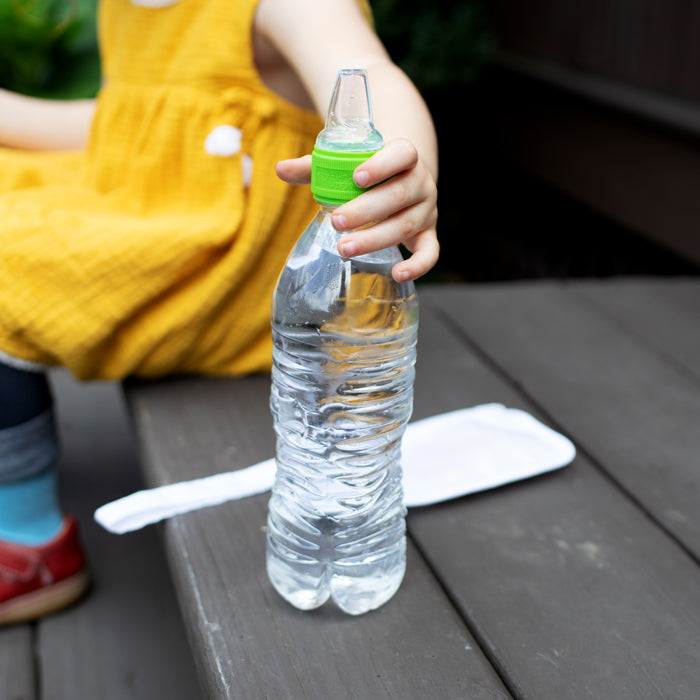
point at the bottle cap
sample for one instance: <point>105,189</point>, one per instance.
<point>348,139</point>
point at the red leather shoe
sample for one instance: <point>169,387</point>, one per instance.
<point>37,581</point>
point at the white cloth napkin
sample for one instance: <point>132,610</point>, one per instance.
<point>443,457</point>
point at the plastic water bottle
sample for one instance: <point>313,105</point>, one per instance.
<point>342,392</point>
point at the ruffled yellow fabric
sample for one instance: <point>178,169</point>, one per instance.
<point>148,254</point>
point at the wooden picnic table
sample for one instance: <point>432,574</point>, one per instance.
<point>580,583</point>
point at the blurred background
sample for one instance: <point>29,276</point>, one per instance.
<point>48,48</point>
<point>569,131</point>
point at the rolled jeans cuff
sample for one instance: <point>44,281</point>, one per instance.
<point>28,449</point>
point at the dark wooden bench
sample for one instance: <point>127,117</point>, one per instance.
<point>580,583</point>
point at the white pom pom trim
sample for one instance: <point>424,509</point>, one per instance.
<point>223,141</point>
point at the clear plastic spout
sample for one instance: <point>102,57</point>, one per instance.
<point>348,139</point>
<point>349,124</point>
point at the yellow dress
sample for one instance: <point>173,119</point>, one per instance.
<point>156,250</point>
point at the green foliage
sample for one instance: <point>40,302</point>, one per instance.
<point>436,42</point>
<point>49,47</point>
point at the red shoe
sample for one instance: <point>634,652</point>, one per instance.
<point>37,581</point>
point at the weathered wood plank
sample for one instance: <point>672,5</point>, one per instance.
<point>633,411</point>
<point>251,643</point>
<point>17,664</point>
<point>127,639</point>
<point>663,311</point>
<point>574,591</point>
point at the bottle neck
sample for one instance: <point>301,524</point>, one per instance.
<point>328,209</point>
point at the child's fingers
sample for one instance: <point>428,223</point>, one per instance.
<point>423,259</point>
<point>385,200</point>
<point>424,246</point>
<point>414,227</point>
<point>296,171</point>
<point>399,228</point>
<point>396,157</point>
<point>400,208</point>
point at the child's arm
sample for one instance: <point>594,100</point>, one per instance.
<point>319,38</point>
<point>36,124</point>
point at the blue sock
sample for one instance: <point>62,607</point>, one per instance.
<point>30,513</point>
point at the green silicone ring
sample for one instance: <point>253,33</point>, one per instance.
<point>331,175</point>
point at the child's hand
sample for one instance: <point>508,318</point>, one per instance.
<point>404,206</point>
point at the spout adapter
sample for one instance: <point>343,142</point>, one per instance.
<point>348,140</point>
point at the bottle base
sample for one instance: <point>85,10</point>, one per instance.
<point>354,592</point>
<point>305,590</point>
<point>356,596</point>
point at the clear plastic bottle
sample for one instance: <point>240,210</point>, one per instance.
<point>344,353</point>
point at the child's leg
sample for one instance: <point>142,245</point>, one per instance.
<point>42,565</point>
<point>29,509</point>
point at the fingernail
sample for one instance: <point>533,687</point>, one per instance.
<point>361,178</point>
<point>348,249</point>
<point>340,222</point>
<point>404,276</point>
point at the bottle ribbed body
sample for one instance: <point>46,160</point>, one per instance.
<point>342,387</point>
